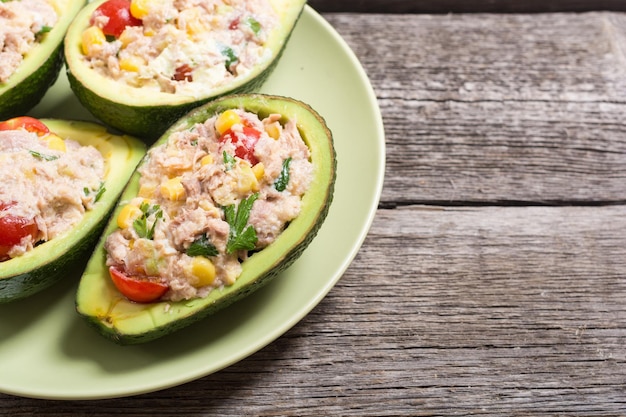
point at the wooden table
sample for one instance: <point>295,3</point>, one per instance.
<point>493,279</point>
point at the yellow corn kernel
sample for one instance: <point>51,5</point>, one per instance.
<point>127,216</point>
<point>203,270</point>
<point>246,179</point>
<point>258,170</point>
<point>173,189</point>
<point>132,63</point>
<point>125,38</point>
<point>146,190</point>
<point>191,19</point>
<point>206,160</point>
<point>92,38</point>
<point>273,130</point>
<point>55,142</point>
<point>139,8</point>
<point>226,120</point>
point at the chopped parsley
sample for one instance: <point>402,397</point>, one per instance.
<point>141,224</point>
<point>229,160</point>
<point>43,156</point>
<point>254,25</point>
<point>202,246</point>
<point>99,192</point>
<point>283,179</point>
<point>230,56</point>
<point>242,236</point>
<point>43,31</point>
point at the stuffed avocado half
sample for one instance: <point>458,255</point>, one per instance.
<point>37,67</point>
<point>164,58</point>
<point>65,220</point>
<point>205,231</point>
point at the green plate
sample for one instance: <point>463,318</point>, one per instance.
<point>47,351</point>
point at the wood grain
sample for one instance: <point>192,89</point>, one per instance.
<point>492,280</point>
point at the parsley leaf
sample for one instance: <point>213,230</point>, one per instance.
<point>241,235</point>
<point>202,246</point>
<point>283,179</point>
<point>99,192</point>
<point>43,156</point>
<point>230,56</point>
<point>229,160</point>
<point>141,224</point>
<point>253,24</point>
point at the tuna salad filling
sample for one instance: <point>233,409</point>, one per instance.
<point>208,198</point>
<point>47,183</point>
<point>186,47</point>
<point>22,24</point>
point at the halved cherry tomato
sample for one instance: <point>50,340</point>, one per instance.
<point>27,123</point>
<point>118,12</point>
<point>137,290</point>
<point>13,229</point>
<point>244,142</point>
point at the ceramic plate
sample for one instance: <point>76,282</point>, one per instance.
<point>47,351</point>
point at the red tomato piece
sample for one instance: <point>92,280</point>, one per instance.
<point>184,72</point>
<point>27,123</point>
<point>244,141</point>
<point>118,12</point>
<point>13,229</point>
<point>137,290</point>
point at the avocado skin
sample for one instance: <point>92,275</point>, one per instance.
<point>35,275</point>
<point>53,270</point>
<point>104,322</point>
<point>28,93</point>
<point>150,122</point>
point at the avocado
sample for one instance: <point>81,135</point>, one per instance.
<point>147,114</point>
<point>48,262</point>
<point>41,65</point>
<point>126,322</point>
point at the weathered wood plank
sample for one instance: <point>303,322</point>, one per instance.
<point>498,108</point>
<point>444,311</point>
<point>461,6</point>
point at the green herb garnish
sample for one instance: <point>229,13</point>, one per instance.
<point>230,56</point>
<point>141,224</point>
<point>229,160</point>
<point>100,192</point>
<point>43,156</point>
<point>253,24</point>
<point>241,236</point>
<point>202,246</point>
<point>283,179</point>
<point>43,31</point>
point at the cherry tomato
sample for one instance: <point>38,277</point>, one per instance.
<point>137,290</point>
<point>27,123</point>
<point>244,142</point>
<point>118,12</point>
<point>184,72</point>
<point>13,229</point>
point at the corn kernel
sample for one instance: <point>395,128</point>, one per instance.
<point>203,271</point>
<point>273,130</point>
<point>246,179</point>
<point>192,21</point>
<point>259,170</point>
<point>139,8</point>
<point>146,190</point>
<point>206,160</point>
<point>132,63</point>
<point>173,189</point>
<point>226,120</point>
<point>125,38</point>
<point>127,216</point>
<point>92,38</point>
<point>55,142</point>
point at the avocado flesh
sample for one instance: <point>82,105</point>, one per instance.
<point>50,261</point>
<point>126,322</point>
<point>146,114</point>
<point>40,67</point>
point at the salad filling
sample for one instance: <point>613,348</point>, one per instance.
<point>47,183</point>
<point>186,47</point>
<point>208,198</point>
<point>22,24</point>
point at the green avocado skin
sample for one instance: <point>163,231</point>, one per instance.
<point>150,122</point>
<point>27,94</point>
<point>317,210</point>
<point>51,271</point>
